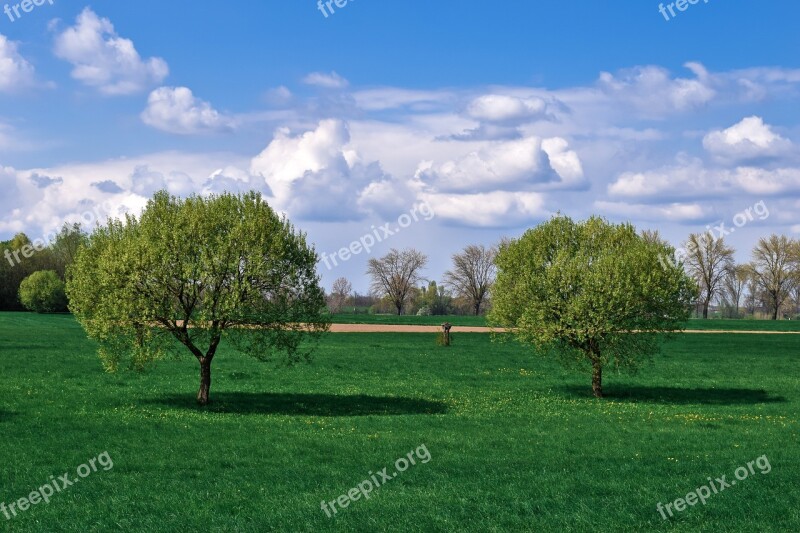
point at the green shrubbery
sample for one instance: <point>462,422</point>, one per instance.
<point>43,292</point>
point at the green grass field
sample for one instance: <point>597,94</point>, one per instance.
<point>694,324</point>
<point>516,443</point>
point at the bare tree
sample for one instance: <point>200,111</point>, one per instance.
<point>774,269</point>
<point>707,259</point>
<point>472,275</point>
<point>734,283</point>
<point>396,275</point>
<point>340,292</point>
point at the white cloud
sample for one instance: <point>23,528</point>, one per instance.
<point>177,110</point>
<point>316,176</point>
<point>763,181</point>
<point>672,212</point>
<point>104,60</point>
<point>388,98</point>
<point>503,108</point>
<point>695,180</point>
<point>491,210</point>
<point>749,139</point>
<point>327,81</point>
<point>522,164</point>
<point>653,92</point>
<point>15,72</point>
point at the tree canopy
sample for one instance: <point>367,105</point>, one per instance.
<point>196,270</point>
<point>590,292</point>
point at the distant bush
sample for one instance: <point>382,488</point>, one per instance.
<point>424,311</point>
<point>43,292</point>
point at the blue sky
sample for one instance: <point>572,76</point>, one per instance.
<point>495,116</point>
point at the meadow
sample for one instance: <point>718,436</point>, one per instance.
<point>516,442</point>
<point>461,320</point>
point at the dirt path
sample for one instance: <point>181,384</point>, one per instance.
<point>389,328</point>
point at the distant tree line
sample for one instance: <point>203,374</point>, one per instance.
<point>22,258</point>
<point>767,286</point>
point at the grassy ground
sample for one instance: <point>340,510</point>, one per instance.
<point>516,443</point>
<point>694,324</point>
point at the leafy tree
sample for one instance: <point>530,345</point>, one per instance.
<point>198,270</point>
<point>435,299</point>
<point>340,292</point>
<point>707,260</point>
<point>396,275</point>
<point>43,292</point>
<point>590,292</point>
<point>21,257</point>
<point>66,245</point>
<point>472,274</point>
<point>774,270</point>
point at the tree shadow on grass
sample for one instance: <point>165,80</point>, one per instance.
<point>678,395</point>
<point>268,403</point>
<point>5,416</point>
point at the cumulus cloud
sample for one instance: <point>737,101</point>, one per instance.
<point>104,60</point>
<point>235,180</point>
<point>654,92</point>
<point>315,176</point>
<point>687,178</point>
<point>15,72</point>
<point>145,182</point>
<point>177,110</point>
<point>523,164</point>
<point>747,140</point>
<point>489,210</point>
<point>507,109</point>
<point>327,81</point>
<point>695,180</point>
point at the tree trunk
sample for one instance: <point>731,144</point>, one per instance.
<point>477,309</point>
<point>705,309</point>
<point>205,381</point>
<point>775,313</point>
<point>597,379</point>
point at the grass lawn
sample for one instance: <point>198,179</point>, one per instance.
<point>694,324</point>
<point>516,443</point>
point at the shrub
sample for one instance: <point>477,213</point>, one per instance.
<point>43,292</point>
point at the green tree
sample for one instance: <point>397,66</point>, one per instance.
<point>43,292</point>
<point>66,245</point>
<point>198,270</point>
<point>590,293</point>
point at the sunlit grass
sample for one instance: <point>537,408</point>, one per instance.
<point>517,443</point>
